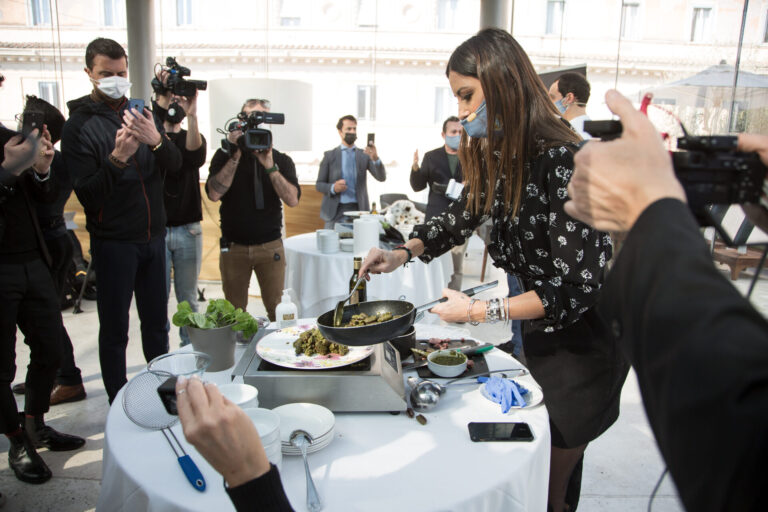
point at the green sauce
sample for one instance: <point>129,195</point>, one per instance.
<point>448,360</point>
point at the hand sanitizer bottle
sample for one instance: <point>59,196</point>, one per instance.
<point>286,312</point>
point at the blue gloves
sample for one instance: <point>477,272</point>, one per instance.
<point>503,391</point>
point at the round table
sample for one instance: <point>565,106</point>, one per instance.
<point>321,280</point>
<point>376,462</point>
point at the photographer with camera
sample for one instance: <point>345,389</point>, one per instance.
<point>120,158</point>
<point>699,349</point>
<point>342,178</point>
<point>251,178</point>
<point>184,234</point>
<point>28,300</point>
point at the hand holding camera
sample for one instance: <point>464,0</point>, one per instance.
<point>45,155</point>
<point>20,153</point>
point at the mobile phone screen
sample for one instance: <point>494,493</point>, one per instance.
<point>483,432</point>
<point>371,139</point>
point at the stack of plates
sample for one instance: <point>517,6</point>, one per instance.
<point>268,425</point>
<point>328,241</point>
<point>315,420</point>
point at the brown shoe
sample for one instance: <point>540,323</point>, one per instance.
<point>63,394</point>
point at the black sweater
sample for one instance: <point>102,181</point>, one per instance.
<point>120,204</point>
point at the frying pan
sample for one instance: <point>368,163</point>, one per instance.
<point>404,312</point>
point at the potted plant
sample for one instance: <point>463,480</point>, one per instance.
<point>214,332</point>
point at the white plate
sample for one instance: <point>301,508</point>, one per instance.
<point>534,396</point>
<point>313,419</point>
<point>354,213</point>
<point>277,348</point>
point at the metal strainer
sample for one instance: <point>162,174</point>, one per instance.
<point>143,406</point>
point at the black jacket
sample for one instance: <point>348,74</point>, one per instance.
<point>436,173</point>
<point>120,204</point>
<point>700,351</point>
<point>16,195</point>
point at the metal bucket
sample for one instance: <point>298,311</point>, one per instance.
<point>218,343</point>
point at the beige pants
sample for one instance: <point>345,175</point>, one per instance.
<point>267,261</point>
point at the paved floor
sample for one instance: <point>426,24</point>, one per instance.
<point>620,469</point>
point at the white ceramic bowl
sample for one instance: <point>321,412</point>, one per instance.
<point>446,371</point>
<point>313,419</point>
<point>347,244</point>
<point>241,394</point>
<point>267,424</point>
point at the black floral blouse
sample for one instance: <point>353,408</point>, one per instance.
<point>558,257</point>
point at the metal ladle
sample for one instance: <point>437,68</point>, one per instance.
<point>338,313</point>
<point>425,394</point>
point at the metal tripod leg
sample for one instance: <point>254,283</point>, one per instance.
<point>76,308</point>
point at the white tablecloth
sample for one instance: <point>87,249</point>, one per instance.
<point>320,280</point>
<point>376,462</point>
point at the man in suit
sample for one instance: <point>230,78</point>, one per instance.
<point>342,175</point>
<point>699,349</point>
<point>438,167</point>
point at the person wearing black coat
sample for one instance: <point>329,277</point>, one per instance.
<point>699,349</point>
<point>440,166</point>
<point>27,300</point>
<point>119,158</point>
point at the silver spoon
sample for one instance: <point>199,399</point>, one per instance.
<point>301,440</point>
<point>338,313</point>
<point>425,394</point>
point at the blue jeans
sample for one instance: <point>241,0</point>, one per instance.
<point>183,252</point>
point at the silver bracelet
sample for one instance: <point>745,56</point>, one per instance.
<point>493,311</point>
<point>469,312</point>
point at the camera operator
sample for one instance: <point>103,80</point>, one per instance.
<point>27,300</point>
<point>250,185</point>
<point>120,158</point>
<point>183,234</point>
<point>700,349</point>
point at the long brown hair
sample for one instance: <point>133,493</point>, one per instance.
<point>517,101</point>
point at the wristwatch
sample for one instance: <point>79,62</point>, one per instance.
<point>272,169</point>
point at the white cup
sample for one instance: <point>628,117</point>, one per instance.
<point>318,233</point>
<point>243,395</point>
<point>329,242</point>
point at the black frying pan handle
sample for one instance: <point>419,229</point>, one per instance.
<point>430,305</point>
<point>470,292</point>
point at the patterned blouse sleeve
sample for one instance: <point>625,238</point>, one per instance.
<point>578,252</point>
<point>449,229</point>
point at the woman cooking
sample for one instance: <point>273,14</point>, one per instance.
<point>517,156</point>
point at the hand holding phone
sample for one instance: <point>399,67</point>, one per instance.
<point>371,139</point>
<point>136,103</point>
<point>503,431</point>
<point>30,121</point>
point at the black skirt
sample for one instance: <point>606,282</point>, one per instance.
<point>581,373</point>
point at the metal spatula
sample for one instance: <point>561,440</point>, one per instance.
<point>338,313</point>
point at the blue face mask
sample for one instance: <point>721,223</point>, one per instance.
<point>559,105</point>
<point>478,127</point>
<point>452,141</point>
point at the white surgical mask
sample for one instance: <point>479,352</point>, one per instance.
<point>114,86</point>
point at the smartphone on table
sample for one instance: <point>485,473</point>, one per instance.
<point>501,431</point>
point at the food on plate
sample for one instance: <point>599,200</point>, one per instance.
<point>421,419</point>
<point>312,342</point>
<point>363,319</point>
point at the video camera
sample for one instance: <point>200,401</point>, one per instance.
<point>254,138</point>
<point>711,171</point>
<point>176,83</point>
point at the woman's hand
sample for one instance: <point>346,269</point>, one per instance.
<point>220,431</point>
<point>454,309</point>
<point>379,261</point>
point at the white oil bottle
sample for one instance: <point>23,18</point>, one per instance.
<point>286,313</point>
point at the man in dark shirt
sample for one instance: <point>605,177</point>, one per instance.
<point>183,234</point>
<point>120,158</point>
<point>438,167</point>
<point>250,185</point>
<point>27,300</point>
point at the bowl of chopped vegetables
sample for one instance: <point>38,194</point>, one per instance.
<point>447,363</point>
